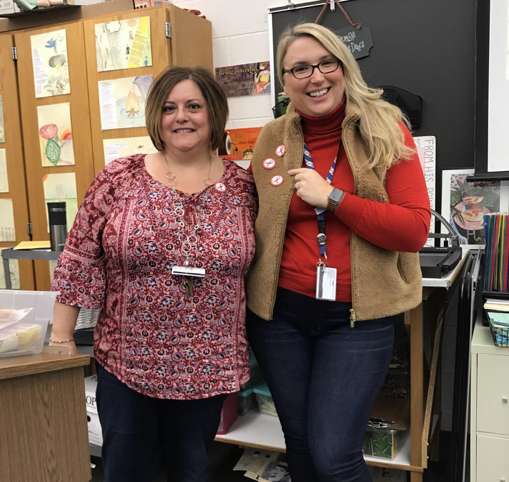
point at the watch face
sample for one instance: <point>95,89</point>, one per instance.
<point>335,195</point>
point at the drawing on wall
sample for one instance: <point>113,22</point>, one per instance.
<point>14,271</point>
<point>245,79</point>
<point>62,188</point>
<point>115,148</point>
<point>122,101</point>
<point>2,125</point>
<point>50,64</point>
<point>465,203</point>
<point>55,134</point>
<point>239,143</point>
<point>123,44</point>
<point>7,231</point>
<point>4,179</point>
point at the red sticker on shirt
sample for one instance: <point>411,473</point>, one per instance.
<point>269,163</point>
<point>280,150</point>
<point>220,187</point>
<point>277,180</point>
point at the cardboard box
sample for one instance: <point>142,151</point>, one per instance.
<point>8,6</point>
<point>94,426</point>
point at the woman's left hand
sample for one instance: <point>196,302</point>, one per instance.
<point>311,187</point>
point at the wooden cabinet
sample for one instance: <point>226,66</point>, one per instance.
<point>489,416</point>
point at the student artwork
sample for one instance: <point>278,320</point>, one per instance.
<point>55,134</point>
<point>50,64</point>
<point>245,79</point>
<point>464,204</point>
<point>122,101</point>
<point>123,44</point>
<point>62,188</point>
<point>4,180</point>
<point>7,231</point>
<point>239,143</point>
<point>115,148</point>
<point>2,125</point>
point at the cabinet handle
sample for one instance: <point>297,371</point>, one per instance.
<point>505,400</point>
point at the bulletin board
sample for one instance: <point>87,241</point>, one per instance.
<point>427,48</point>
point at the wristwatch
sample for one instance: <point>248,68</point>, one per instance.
<point>334,199</point>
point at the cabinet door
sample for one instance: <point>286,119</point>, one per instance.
<point>492,460</point>
<point>56,124</point>
<point>493,394</point>
<point>13,192</point>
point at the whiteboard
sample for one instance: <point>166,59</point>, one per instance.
<point>498,93</point>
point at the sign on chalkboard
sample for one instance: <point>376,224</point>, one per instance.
<point>359,42</point>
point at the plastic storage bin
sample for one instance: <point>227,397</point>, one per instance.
<point>383,442</point>
<point>264,399</point>
<point>24,336</point>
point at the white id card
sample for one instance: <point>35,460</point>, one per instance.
<point>188,271</point>
<point>326,283</point>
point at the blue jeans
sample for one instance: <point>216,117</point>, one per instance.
<point>140,431</point>
<point>324,377</point>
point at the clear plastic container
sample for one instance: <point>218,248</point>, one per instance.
<point>264,399</point>
<point>383,442</point>
<point>24,319</point>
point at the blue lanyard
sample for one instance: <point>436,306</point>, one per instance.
<point>320,212</point>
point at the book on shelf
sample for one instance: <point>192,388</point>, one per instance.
<point>496,266</point>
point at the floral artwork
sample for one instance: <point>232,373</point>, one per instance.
<point>55,135</point>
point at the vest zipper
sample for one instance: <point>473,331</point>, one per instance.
<point>353,317</point>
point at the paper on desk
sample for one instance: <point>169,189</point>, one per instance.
<point>499,318</point>
<point>33,245</point>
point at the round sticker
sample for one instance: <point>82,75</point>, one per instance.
<point>277,180</point>
<point>220,187</point>
<point>269,163</point>
<point>280,150</point>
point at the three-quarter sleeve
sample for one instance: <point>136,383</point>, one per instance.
<point>80,275</point>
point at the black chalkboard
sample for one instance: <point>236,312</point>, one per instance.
<point>425,47</point>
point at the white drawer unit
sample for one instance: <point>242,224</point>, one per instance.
<point>489,414</point>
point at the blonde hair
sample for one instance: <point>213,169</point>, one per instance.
<point>217,104</point>
<point>378,125</point>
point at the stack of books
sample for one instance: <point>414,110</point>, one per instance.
<point>496,274</point>
<point>497,311</point>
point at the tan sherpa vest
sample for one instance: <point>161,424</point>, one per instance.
<point>384,283</point>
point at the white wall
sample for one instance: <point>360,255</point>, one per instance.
<point>240,35</point>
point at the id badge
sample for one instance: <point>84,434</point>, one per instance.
<point>188,271</point>
<point>326,283</point>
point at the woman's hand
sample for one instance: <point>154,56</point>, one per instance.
<point>311,187</point>
<point>71,345</point>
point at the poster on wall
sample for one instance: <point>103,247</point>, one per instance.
<point>245,79</point>
<point>122,101</point>
<point>426,150</point>
<point>123,44</point>
<point>4,179</point>
<point>50,64</point>
<point>55,134</point>
<point>2,125</point>
<point>14,272</point>
<point>115,148</point>
<point>7,231</point>
<point>62,188</point>
<point>464,204</point>
<point>239,143</point>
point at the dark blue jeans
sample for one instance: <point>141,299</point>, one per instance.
<point>324,377</point>
<point>140,431</point>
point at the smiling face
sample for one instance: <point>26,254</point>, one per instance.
<point>185,122</point>
<point>319,94</point>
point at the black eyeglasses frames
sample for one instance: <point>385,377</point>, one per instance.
<point>305,71</point>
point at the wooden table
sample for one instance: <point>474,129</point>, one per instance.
<point>43,420</point>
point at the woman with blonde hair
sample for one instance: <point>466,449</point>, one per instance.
<point>343,211</point>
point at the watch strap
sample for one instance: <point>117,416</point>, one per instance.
<point>334,198</point>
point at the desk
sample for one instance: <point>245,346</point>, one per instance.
<point>263,431</point>
<point>43,419</point>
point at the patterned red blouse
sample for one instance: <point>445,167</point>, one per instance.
<point>118,257</point>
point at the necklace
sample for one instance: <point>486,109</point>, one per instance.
<point>172,178</point>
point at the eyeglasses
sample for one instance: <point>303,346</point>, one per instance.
<point>304,71</point>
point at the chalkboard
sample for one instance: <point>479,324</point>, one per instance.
<point>425,47</point>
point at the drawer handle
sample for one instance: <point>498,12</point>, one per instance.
<point>505,400</point>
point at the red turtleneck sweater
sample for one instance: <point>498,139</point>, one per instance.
<point>401,225</point>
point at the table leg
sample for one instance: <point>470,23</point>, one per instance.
<point>416,388</point>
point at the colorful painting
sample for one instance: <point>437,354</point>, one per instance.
<point>465,203</point>
<point>55,134</point>
<point>62,187</point>
<point>245,79</point>
<point>123,44</point>
<point>122,101</point>
<point>50,64</point>
<point>239,143</point>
